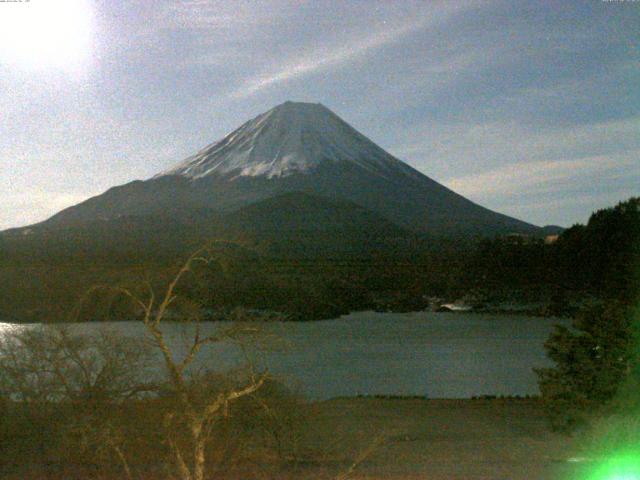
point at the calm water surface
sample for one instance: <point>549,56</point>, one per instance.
<point>438,355</point>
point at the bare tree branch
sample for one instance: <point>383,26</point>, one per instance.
<point>362,456</point>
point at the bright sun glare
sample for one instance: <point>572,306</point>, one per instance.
<point>46,33</point>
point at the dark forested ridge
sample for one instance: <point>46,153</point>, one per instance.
<point>594,381</point>
<point>599,259</point>
<point>313,258</point>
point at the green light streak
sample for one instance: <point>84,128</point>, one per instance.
<point>623,466</point>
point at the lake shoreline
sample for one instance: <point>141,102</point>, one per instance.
<point>272,316</point>
<point>428,354</point>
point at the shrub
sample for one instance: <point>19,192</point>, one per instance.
<point>592,359</point>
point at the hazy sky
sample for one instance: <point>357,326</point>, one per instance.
<point>529,108</point>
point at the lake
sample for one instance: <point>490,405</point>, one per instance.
<point>436,355</point>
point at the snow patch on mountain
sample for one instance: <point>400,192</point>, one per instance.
<point>291,138</point>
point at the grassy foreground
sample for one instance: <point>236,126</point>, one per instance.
<point>373,438</point>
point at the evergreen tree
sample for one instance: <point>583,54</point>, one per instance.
<point>593,359</point>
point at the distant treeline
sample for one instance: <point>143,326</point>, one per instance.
<point>314,276</point>
<point>600,259</point>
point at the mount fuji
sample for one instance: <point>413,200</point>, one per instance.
<point>294,149</point>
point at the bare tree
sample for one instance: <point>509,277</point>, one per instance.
<point>78,376</point>
<point>195,409</point>
<point>50,363</point>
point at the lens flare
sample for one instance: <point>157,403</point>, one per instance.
<point>624,466</point>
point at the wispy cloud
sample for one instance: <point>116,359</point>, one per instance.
<point>598,200</point>
<point>346,51</point>
<point>476,148</point>
<point>320,61</point>
<point>540,175</point>
<point>517,169</point>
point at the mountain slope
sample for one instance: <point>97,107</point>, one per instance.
<point>298,147</point>
<point>298,224</point>
<point>293,224</point>
<point>297,211</point>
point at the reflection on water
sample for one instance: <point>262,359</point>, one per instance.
<point>438,355</point>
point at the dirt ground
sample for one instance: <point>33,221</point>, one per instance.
<point>442,439</point>
<point>395,439</point>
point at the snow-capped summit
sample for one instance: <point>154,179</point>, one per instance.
<point>296,148</point>
<point>293,137</point>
